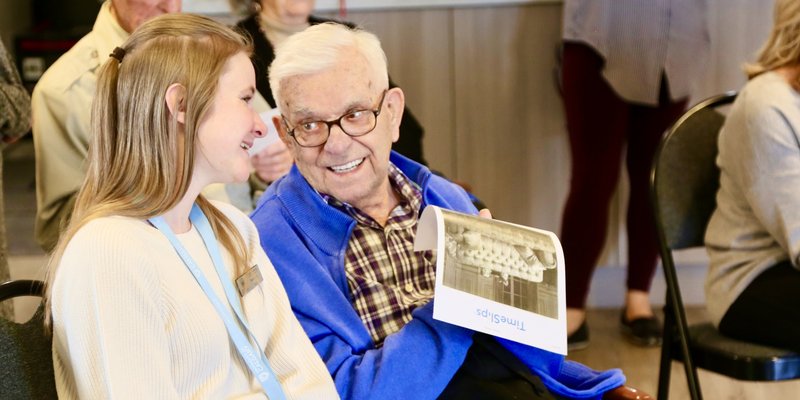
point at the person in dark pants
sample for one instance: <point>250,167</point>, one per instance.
<point>626,76</point>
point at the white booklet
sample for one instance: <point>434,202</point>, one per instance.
<point>495,277</point>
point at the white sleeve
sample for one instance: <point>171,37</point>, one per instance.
<point>109,330</point>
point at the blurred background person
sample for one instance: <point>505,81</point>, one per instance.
<point>15,121</point>
<point>628,70</point>
<point>753,237</point>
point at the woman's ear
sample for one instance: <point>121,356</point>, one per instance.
<point>176,101</point>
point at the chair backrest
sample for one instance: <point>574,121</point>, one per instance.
<point>685,176</point>
<point>25,349</point>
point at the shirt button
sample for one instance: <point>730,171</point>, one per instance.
<point>409,288</point>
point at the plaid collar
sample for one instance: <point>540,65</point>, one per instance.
<point>410,202</point>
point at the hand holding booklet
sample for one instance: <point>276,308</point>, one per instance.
<point>496,277</point>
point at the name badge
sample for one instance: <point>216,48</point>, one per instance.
<point>249,280</point>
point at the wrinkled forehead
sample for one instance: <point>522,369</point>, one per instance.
<point>348,84</point>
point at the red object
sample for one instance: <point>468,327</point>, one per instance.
<point>36,45</point>
<point>342,9</point>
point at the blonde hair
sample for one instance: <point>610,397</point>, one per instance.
<point>783,45</point>
<point>137,166</point>
<point>319,47</point>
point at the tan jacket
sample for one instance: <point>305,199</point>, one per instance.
<point>62,102</point>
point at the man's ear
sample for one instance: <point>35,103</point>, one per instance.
<point>176,101</point>
<point>395,104</point>
<point>277,120</point>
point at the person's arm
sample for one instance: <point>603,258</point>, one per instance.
<point>565,378</point>
<point>764,159</point>
<point>420,359</point>
<point>15,104</point>
<point>61,140</point>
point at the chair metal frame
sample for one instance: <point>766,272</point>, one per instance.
<point>21,287</point>
<point>682,226</point>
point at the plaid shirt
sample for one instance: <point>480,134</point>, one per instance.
<point>387,279</point>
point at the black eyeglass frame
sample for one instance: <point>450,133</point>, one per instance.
<point>337,122</point>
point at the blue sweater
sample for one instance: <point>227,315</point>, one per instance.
<point>306,240</point>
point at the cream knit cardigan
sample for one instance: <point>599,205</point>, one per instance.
<point>130,321</point>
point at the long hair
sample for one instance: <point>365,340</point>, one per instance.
<point>319,47</point>
<point>783,45</point>
<point>138,165</point>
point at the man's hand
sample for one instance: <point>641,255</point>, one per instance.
<point>485,213</point>
<point>273,162</point>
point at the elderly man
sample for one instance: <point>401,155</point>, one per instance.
<point>339,229</point>
<point>62,102</point>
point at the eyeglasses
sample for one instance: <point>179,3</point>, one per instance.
<point>354,123</point>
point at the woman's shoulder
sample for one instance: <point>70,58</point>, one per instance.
<point>766,101</point>
<point>112,245</point>
<point>769,90</point>
<point>107,230</point>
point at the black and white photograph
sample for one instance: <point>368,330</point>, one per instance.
<point>496,277</point>
<point>509,266</point>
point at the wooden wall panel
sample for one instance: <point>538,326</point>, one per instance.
<point>511,136</point>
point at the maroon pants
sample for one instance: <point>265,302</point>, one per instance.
<point>600,126</point>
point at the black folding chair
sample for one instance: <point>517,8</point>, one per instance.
<point>684,183</point>
<point>25,349</point>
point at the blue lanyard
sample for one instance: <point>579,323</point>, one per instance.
<point>256,360</point>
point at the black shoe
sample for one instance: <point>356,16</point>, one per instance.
<point>645,331</point>
<point>579,339</point>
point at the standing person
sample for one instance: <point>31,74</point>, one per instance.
<point>61,105</point>
<point>269,23</point>
<point>141,286</point>
<point>753,237</point>
<point>628,69</point>
<point>15,121</point>
<point>340,228</point>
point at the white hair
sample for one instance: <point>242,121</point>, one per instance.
<point>319,47</point>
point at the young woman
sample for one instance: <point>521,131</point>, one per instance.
<point>154,291</point>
